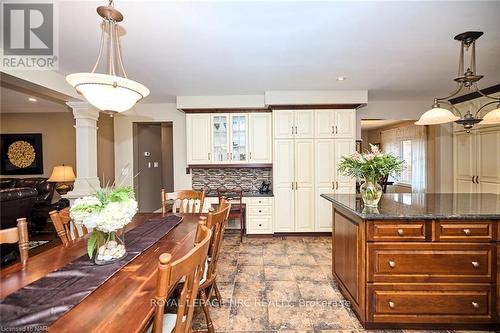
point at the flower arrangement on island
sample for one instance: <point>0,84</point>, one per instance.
<point>371,166</point>
<point>106,213</point>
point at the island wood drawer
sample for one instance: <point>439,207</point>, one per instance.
<point>423,303</point>
<point>457,231</point>
<point>432,262</point>
<point>399,231</point>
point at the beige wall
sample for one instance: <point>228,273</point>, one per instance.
<point>58,135</point>
<point>59,140</point>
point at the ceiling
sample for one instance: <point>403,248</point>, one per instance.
<point>395,50</point>
<point>13,101</point>
<point>372,124</point>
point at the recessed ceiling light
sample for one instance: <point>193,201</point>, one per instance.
<point>341,78</point>
<point>32,99</point>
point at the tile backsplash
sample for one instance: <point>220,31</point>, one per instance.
<point>249,179</point>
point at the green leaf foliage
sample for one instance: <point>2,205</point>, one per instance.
<point>92,244</point>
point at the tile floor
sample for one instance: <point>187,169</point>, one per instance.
<point>280,285</point>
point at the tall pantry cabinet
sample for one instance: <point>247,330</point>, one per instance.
<point>477,160</point>
<point>308,145</point>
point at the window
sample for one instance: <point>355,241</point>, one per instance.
<point>406,155</point>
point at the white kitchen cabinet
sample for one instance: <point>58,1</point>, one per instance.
<point>220,138</point>
<point>284,184</point>
<point>345,124</point>
<point>198,139</point>
<point>335,124</point>
<point>260,138</point>
<point>308,145</point>
<point>304,185</point>
<point>343,184</point>
<point>477,161</point>
<point>238,134</point>
<point>289,124</point>
<point>259,215</point>
<point>327,179</point>
<point>229,138</point>
<point>284,124</point>
<point>304,124</point>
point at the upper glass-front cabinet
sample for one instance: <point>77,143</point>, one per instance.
<point>220,137</point>
<point>239,135</point>
<point>230,138</point>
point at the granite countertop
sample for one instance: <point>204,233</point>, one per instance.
<point>422,206</point>
<point>245,194</point>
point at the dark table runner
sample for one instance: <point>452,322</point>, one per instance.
<point>43,301</point>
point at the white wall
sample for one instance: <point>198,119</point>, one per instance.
<point>151,113</point>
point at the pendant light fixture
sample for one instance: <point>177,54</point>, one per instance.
<point>111,92</point>
<point>466,79</point>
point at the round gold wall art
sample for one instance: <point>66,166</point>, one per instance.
<point>21,154</point>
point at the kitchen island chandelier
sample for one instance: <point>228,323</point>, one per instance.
<point>465,80</point>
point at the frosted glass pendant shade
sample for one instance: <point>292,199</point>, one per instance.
<point>436,116</point>
<point>108,92</point>
<point>492,117</point>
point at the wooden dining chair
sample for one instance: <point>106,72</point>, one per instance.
<point>63,225</point>
<point>216,222</point>
<point>190,267</point>
<point>18,235</point>
<point>185,201</point>
<point>235,197</point>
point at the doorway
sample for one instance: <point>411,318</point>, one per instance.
<point>153,163</point>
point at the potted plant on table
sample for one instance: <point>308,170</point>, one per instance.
<point>106,213</point>
<point>371,167</point>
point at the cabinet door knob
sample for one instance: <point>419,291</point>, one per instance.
<point>401,232</point>
<point>475,264</point>
<point>260,201</point>
<point>475,305</point>
<point>392,264</point>
<point>467,232</point>
<point>260,225</point>
<point>392,305</point>
<point>260,211</point>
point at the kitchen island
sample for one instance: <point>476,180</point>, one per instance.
<point>419,260</point>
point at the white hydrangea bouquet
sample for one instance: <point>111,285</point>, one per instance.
<point>106,213</point>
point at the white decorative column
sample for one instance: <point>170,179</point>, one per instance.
<point>86,150</point>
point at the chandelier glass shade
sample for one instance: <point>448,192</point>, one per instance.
<point>492,117</point>
<point>466,79</point>
<point>437,115</point>
<point>109,92</point>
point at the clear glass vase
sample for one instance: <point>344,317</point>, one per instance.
<point>371,191</point>
<point>110,247</point>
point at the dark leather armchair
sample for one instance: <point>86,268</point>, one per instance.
<point>14,203</point>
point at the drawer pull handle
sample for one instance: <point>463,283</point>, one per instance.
<point>392,264</point>
<point>260,225</point>
<point>392,305</point>
<point>260,211</point>
<point>260,201</point>
<point>401,232</point>
<point>475,264</point>
<point>475,305</point>
<point>467,232</point>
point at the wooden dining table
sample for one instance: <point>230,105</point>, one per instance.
<point>121,304</point>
